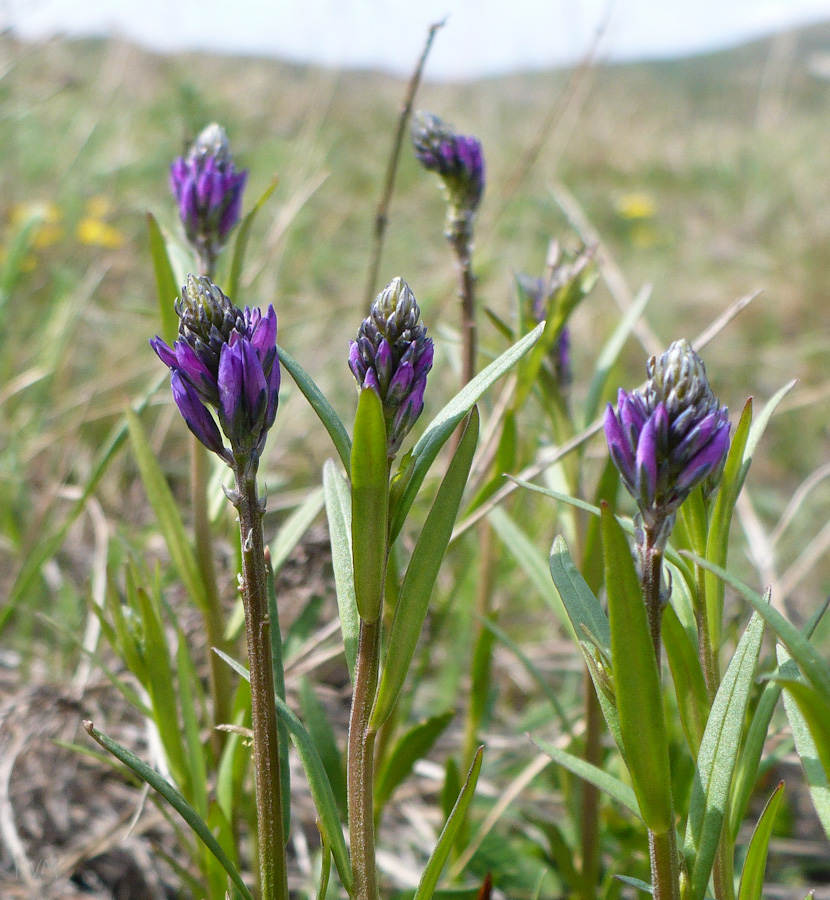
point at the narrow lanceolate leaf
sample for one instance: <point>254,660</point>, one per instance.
<point>755,864</point>
<point>803,652</point>
<point>716,759</point>
<point>718,540</point>
<point>294,527</point>
<point>325,411</point>
<point>175,799</point>
<point>413,602</point>
<point>818,780</point>
<point>583,608</point>
<point>321,732</point>
<point>687,675</point>
<point>166,288</point>
<point>241,243</point>
<point>615,788</point>
<point>370,496</point>
<point>278,670</point>
<point>315,773</point>
<point>816,711</point>
<point>435,865</point>
<point>747,770</point>
<point>637,681</point>
<point>413,470</point>
<point>412,746</point>
<point>167,512</point>
<point>339,513</point>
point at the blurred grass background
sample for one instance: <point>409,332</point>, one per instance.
<point>705,177</point>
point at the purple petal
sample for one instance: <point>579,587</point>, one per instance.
<point>401,384</point>
<point>705,462</point>
<point>253,382</point>
<point>264,331</point>
<point>356,362</point>
<point>231,375</point>
<point>618,445</point>
<point>383,364</point>
<point>645,462</point>
<point>196,415</point>
<point>164,353</point>
<point>424,362</point>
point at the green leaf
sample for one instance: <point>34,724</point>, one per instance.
<point>584,610</point>
<point>325,411</point>
<point>370,498</point>
<point>803,652</point>
<point>637,681</point>
<point>413,470</point>
<point>759,426</point>
<point>241,243</point>
<point>275,636</point>
<point>755,864</point>
<point>612,786</point>
<point>747,770</point>
<point>718,540</point>
<point>167,513</point>
<point>175,799</point>
<point>435,865</point>
<point>339,513</point>
<point>318,782</point>
<point>412,746</point>
<point>611,351</point>
<point>717,757</point>
<point>816,711</point>
<point>818,780</point>
<point>166,288</point>
<point>322,734</point>
<point>687,675</point>
<point>421,573</point>
<point>531,561</point>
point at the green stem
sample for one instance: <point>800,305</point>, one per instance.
<point>665,866</point>
<point>589,809</point>
<point>269,800</point>
<point>360,780</point>
<point>220,674</point>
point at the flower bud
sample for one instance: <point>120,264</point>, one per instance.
<point>225,359</point>
<point>455,157</point>
<point>208,190</point>
<point>392,356</point>
<point>669,438</point>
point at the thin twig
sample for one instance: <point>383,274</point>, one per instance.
<point>381,215</point>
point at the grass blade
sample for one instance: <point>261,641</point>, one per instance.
<point>175,799</point>
<point>241,243</point>
<point>435,865</point>
<point>755,864</point>
<point>166,288</point>
<point>717,757</point>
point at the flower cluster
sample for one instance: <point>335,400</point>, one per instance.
<point>225,359</point>
<point>560,353</point>
<point>669,438</point>
<point>457,158</point>
<point>208,190</point>
<point>393,355</point>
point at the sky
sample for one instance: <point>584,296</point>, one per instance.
<point>481,37</point>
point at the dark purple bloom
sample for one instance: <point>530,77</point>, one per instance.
<point>392,356</point>
<point>457,158</point>
<point>669,438</point>
<point>208,190</point>
<point>225,359</point>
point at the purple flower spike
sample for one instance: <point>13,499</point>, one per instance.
<point>208,190</point>
<point>225,359</point>
<point>392,356</point>
<point>669,438</point>
<point>457,158</point>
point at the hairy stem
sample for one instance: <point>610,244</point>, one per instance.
<point>665,867</point>
<point>460,236</point>
<point>360,786</point>
<point>269,798</point>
